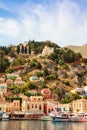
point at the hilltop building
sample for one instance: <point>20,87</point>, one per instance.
<point>23,48</point>
<point>47,50</point>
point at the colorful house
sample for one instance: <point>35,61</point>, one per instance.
<point>49,106</point>
<point>16,105</point>
<point>34,107</point>
<point>79,105</point>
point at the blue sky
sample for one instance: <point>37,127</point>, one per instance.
<point>60,21</point>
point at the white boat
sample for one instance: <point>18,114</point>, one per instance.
<point>75,117</point>
<point>61,118</point>
<point>78,117</point>
<point>46,118</point>
<point>5,116</point>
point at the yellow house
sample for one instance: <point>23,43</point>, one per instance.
<point>6,107</point>
<point>16,105</point>
<point>79,105</point>
<point>35,105</point>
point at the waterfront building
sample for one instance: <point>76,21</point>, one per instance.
<point>34,107</point>
<point>16,105</point>
<point>49,106</point>
<point>79,105</point>
<point>64,107</point>
<point>5,106</point>
<point>36,103</point>
<point>24,97</point>
<point>24,106</point>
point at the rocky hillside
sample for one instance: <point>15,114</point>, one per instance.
<point>80,49</point>
<point>59,69</point>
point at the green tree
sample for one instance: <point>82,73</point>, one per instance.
<point>4,63</point>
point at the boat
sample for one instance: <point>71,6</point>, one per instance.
<point>60,117</point>
<point>75,117</point>
<point>5,116</point>
<point>78,117</point>
<point>1,115</point>
<point>45,118</point>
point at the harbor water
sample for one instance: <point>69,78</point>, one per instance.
<point>42,125</point>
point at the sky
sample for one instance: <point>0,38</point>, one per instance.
<point>61,21</point>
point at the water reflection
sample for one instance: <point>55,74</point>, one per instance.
<point>42,125</point>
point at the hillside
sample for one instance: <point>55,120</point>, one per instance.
<point>46,65</point>
<point>80,49</point>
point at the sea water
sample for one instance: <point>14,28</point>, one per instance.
<point>42,125</point>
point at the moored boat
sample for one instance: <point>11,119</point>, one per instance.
<point>75,117</point>
<point>61,117</point>
<point>45,118</point>
<point>5,116</point>
<point>78,117</point>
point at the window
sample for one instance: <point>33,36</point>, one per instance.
<point>85,105</point>
<point>74,105</point>
<point>80,105</point>
<point>40,107</point>
<point>28,107</point>
<point>7,109</point>
<point>35,105</point>
<point>49,110</point>
<point>14,104</point>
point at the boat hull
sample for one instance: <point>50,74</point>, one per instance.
<point>58,119</point>
<point>45,118</point>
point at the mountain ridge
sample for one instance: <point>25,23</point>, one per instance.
<point>81,49</point>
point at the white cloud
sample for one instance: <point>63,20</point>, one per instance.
<point>62,22</point>
<point>9,27</point>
